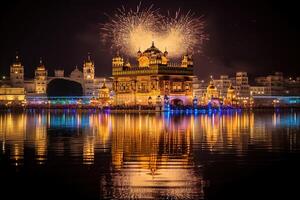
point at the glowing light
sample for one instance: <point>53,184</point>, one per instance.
<point>131,30</point>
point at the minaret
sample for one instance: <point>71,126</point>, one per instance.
<point>104,92</point>
<point>88,76</point>
<point>117,61</point>
<point>211,91</point>
<point>231,93</point>
<point>88,69</point>
<point>164,58</point>
<point>187,60</point>
<point>17,73</point>
<point>139,53</point>
<point>40,78</point>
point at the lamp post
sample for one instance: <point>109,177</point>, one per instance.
<point>158,103</point>
<point>195,102</point>
<point>166,103</point>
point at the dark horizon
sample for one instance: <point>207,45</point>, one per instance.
<point>257,37</point>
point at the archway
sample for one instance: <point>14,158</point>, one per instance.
<point>63,87</point>
<point>177,102</point>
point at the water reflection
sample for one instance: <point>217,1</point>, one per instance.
<point>146,156</point>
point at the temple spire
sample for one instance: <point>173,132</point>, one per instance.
<point>17,57</point>
<point>153,43</point>
<point>118,53</point>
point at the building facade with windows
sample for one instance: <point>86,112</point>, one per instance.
<point>152,78</point>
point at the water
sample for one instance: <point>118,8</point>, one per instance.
<point>70,154</point>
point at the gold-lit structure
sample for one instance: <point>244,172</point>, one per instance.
<point>17,73</point>
<point>11,95</point>
<point>153,77</point>
<point>37,86</point>
<point>231,96</point>
<point>104,95</point>
<point>40,78</point>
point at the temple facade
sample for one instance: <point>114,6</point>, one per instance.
<point>37,86</point>
<point>152,79</point>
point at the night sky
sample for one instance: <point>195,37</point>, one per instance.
<point>257,36</point>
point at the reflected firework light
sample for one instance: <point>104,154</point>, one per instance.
<point>131,30</point>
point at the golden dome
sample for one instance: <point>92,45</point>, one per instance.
<point>152,49</point>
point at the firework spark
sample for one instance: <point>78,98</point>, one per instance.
<point>131,30</point>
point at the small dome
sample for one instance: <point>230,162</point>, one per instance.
<point>152,49</point>
<point>76,73</point>
<point>41,65</point>
<point>103,86</point>
<point>166,52</point>
<point>231,87</point>
<point>127,64</point>
<point>211,87</point>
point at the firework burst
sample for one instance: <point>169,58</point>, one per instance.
<point>131,30</point>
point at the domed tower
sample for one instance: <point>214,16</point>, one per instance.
<point>40,78</point>
<point>88,68</point>
<point>231,93</point>
<point>166,53</point>
<point>104,95</point>
<point>17,73</point>
<point>164,58</point>
<point>117,61</point>
<point>88,76</point>
<point>150,56</point>
<point>139,53</point>
<point>187,60</point>
<point>76,74</point>
<point>104,91</point>
<point>211,91</point>
<point>127,64</point>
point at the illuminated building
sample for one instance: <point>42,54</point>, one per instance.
<point>104,95</point>
<point>292,86</point>
<point>76,74</point>
<point>17,73</point>
<point>231,95</point>
<point>90,84</point>
<point>88,76</point>
<point>11,95</point>
<point>260,90</point>
<point>40,79</point>
<point>241,85</point>
<point>211,91</point>
<point>153,77</point>
<point>212,94</point>
<point>274,83</point>
<point>199,88</point>
<point>222,85</point>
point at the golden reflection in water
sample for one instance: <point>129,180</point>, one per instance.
<point>151,156</point>
<point>12,134</point>
<point>96,136</point>
<point>36,136</point>
<point>40,139</point>
<point>88,150</point>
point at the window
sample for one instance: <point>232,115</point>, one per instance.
<point>177,86</point>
